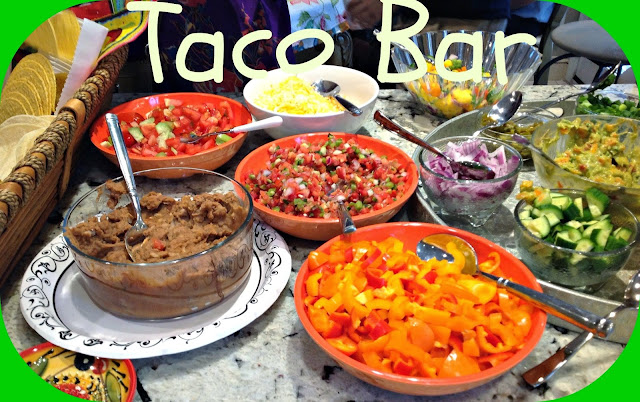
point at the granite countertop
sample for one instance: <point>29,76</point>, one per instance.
<point>273,357</point>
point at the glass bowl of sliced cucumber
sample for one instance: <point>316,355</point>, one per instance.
<point>574,238</point>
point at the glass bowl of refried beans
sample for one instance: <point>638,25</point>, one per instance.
<point>197,250</point>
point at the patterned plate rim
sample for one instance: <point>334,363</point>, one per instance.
<point>38,309</point>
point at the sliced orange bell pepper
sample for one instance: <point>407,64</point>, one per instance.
<point>313,285</point>
<point>344,344</point>
<point>316,259</point>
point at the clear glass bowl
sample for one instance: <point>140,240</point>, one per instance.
<point>447,99</point>
<point>524,119</point>
<point>554,264</point>
<point>551,142</point>
<point>471,201</point>
<point>165,289</point>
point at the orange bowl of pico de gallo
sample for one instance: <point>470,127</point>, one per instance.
<point>412,326</point>
<point>297,182</point>
<point>153,126</point>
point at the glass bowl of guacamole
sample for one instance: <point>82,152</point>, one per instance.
<point>591,151</point>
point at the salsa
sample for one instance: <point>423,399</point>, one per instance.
<point>599,153</point>
<point>310,179</point>
<point>158,133</point>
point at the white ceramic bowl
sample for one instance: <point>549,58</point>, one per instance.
<point>357,87</point>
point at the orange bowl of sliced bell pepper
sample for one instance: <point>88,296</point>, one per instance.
<point>411,326</point>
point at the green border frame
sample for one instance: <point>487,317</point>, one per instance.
<point>20,18</point>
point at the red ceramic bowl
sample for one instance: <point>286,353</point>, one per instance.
<point>325,229</point>
<point>209,160</point>
<point>410,234</point>
<point>81,373</point>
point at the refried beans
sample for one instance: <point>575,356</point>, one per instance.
<point>177,228</point>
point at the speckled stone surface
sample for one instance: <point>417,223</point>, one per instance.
<point>274,358</point>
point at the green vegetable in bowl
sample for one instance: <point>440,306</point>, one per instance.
<point>580,224</point>
<point>598,104</point>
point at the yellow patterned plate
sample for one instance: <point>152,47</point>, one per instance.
<point>85,377</point>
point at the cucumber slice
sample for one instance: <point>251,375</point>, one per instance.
<point>551,210</point>
<point>600,236</point>
<point>536,213</point>
<point>164,127</point>
<point>539,227</point>
<point>598,225</point>
<point>150,120</point>
<point>542,199</point>
<point>574,224</point>
<point>563,240</point>
<point>584,245</point>
<point>136,133</point>
<point>524,215</point>
<point>561,201</point>
<point>574,210</point>
<point>598,201</point>
<point>622,233</point>
<point>552,219</point>
<point>614,243</point>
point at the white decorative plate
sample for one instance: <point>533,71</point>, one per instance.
<point>58,308</point>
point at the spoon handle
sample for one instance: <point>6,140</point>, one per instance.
<point>385,122</point>
<point>275,121</point>
<point>345,219</point>
<point>575,315</point>
<point>545,370</point>
<point>353,109</point>
<point>123,159</point>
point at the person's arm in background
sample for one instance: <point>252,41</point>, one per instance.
<point>516,4</point>
<point>365,14</point>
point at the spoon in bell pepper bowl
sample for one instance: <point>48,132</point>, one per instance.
<point>434,246</point>
<point>543,371</point>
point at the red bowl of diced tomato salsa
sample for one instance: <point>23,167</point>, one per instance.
<point>297,182</point>
<point>412,326</point>
<point>152,128</point>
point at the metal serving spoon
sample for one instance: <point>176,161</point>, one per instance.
<point>433,247</point>
<point>135,234</point>
<point>522,140</point>
<point>543,371</point>
<point>502,111</point>
<point>346,221</point>
<point>275,121</point>
<point>467,169</point>
<point>330,89</point>
<point>600,82</point>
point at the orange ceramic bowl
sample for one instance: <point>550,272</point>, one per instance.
<point>210,159</point>
<point>410,234</point>
<point>317,228</point>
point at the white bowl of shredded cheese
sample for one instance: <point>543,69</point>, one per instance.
<point>303,110</point>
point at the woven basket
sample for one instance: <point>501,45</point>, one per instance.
<point>39,180</point>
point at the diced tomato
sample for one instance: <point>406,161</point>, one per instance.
<point>158,245</point>
<point>193,115</point>
<point>148,129</point>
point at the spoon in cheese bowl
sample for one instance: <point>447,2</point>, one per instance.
<point>330,89</point>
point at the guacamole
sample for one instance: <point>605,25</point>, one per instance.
<point>600,152</point>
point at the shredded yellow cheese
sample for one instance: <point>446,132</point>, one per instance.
<point>296,96</point>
